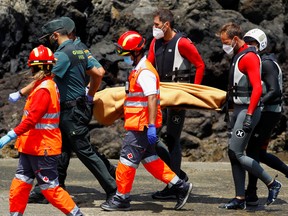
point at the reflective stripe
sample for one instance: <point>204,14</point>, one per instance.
<point>123,196</point>
<point>46,126</point>
<point>138,103</point>
<point>25,113</point>
<point>139,94</point>
<point>173,181</point>
<point>150,159</point>
<point>75,212</point>
<point>24,178</point>
<point>16,214</point>
<point>51,115</point>
<point>128,163</point>
<point>49,184</point>
<point>135,103</point>
<point>135,94</point>
<point>46,116</point>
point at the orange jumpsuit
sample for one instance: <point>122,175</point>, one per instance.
<point>136,147</point>
<point>39,144</point>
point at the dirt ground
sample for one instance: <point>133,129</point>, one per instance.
<point>212,185</point>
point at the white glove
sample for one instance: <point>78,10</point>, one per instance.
<point>13,97</point>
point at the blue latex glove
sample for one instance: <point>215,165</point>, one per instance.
<point>151,134</point>
<point>89,98</point>
<point>13,97</point>
<point>7,138</point>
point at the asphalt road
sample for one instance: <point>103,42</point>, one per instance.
<point>212,185</point>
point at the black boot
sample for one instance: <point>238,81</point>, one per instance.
<point>274,189</point>
<point>109,195</point>
<point>116,203</point>
<point>234,204</point>
<point>182,190</point>
<point>251,197</point>
<point>167,193</point>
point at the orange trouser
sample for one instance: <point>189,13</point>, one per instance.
<point>160,170</point>
<point>59,198</point>
<point>19,195</point>
<point>125,174</point>
<point>124,178</point>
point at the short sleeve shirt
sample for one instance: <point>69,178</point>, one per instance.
<point>70,71</point>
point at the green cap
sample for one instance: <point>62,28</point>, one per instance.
<point>68,23</point>
<point>51,27</point>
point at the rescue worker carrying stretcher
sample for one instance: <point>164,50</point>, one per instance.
<point>174,56</point>
<point>142,113</point>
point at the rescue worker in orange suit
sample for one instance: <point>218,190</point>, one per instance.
<point>36,195</point>
<point>173,55</point>
<point>142,115</point>
<point>71,70</point>
<point>39,140</point>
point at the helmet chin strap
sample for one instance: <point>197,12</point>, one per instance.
<point>135,61</point>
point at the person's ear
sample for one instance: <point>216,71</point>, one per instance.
<point>56,35</point>
<point>168,24</point>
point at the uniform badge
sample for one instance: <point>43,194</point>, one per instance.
<point>45,179</point>
<point>130,155</point>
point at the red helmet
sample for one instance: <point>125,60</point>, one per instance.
<point>129,42</point>
<point>41,55</point>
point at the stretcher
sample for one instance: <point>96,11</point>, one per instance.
<point>108,103</point>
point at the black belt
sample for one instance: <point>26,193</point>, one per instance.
<point>72,103</point>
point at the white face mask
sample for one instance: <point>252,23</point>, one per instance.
<point>157,33</point>
<point>229,49</point>
<point>128,60</point>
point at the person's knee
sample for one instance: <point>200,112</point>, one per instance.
<point>263,157</point>
<point>170,142</point>
<point>251,151</point>
<point>232,156</point>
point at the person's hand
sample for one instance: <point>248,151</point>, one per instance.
<point>151,134</point>
<point>13,97</point>
<point>247,123</point>
<point>7,138</point>
<point>89,98</point>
